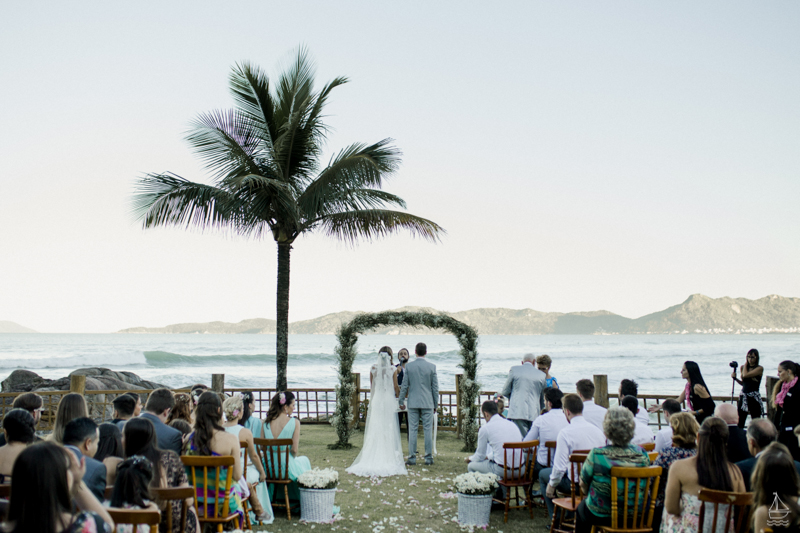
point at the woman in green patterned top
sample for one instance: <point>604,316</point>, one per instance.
<point>595,509</point>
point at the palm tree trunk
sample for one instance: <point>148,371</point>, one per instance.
<point>282,330</point>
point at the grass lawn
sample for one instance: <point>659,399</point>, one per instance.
<point>397,503</point>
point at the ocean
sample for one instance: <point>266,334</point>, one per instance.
<point>654,361</point>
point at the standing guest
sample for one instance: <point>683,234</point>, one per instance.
<point>695,393</point>
<point>774,478</point>
<point>546,428</point>
<point>182,409</point>
<point>421,386</point>
<point>737,437</point>
<point>281,424</point>
<point>628,387</point>
<point>109,450</point>
<point>46,480</point>
<point>524,388</point>
<point>400,373</point>
<point>684,428</point>
<point>595,508</point>
<point>159,404</point>
<point>749,401</point>
<point>132,490</point>
<point>760,434</point>
<point>19,429</point>
<point>496,432</point>
<point>786,400</point>
<point>642,433</point>
<point>708,469</point>
<point>81,436</point>
<point>124,409</point>
<point>593,413</point>
<point>31,402</point>
<point>71,406</point>
<point>664,435</point>
<point>543,363</point>
<point>578,435</point>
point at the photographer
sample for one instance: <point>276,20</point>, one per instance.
<point>749,398</point>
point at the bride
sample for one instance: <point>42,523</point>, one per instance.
<point>382,453</point>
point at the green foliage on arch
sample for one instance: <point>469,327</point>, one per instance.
<point>347,335</point>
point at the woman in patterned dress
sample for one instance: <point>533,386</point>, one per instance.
<point>684,445</point>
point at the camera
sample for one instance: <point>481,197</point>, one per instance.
<point>734,364</point>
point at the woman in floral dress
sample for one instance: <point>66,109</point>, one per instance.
<point>684,445</point>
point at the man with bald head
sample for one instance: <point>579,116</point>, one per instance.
<point>760,434</point>
<point>737,438</point>
<point>524,388</point>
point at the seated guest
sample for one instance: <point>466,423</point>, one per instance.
<point>124,407</point>
<point>138,399</point>
<point>593,413</point>
<point>109,450</point>
<point>708,469</point>
<point>132,490</point>
<point>159,404</point>
<point>183,426</point>
<point>31,402</point>
<point>546,428</point>
<point>81,436</point>
<point>281,425</point>
<point>664,435</point>
<point>684,428</point>
<point>196,391</point>
<point>46,480</point>
<point>642,433</point>
<point>774,478</point>
<point>71,406</point>
<point>19,429</point>
<point>760,434</point>
<point>168,471</point>
<point>248,420</point>
<point>496,432</point>
<point>183,409</point>
<point>628,387</point>
<point>543,363</point>
<point>737,437</point>
<point>595,508</point>
<point>501,405</point>
<point>578,435</point>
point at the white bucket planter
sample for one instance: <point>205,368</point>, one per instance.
<point>316,505</point>
<point>474,510</point>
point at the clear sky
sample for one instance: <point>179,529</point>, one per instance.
<point>581,155</point>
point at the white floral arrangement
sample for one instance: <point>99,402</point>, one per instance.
<point>476,484</point>
<point>327,478</point>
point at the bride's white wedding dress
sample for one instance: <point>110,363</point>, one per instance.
<point>382,453</point>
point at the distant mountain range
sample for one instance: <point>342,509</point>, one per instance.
<point>697,315</point>
<point>13,327</point>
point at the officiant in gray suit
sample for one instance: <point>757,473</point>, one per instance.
<point>524,389</point>
<point>421,386</point>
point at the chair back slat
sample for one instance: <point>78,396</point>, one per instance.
<point>211,467</point>
<point>737,515</point>
<point>644,482</point>
<point>576,461</point>
<point>649,446</point>
<point>517,451</point>
<point>551,450</point>
<point>274,454</point>
<point>135,517</point>
<point>167,495</point>
<point>653,456</point>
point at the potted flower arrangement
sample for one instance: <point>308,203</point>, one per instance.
<point>475,492</point>
<point>317,492</point>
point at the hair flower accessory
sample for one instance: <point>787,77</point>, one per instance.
<point>236,412</point>
<point>282,398</point>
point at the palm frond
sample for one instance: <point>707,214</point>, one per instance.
<point>266,198</point>
<point>369,224</point>
<point>250,87</point>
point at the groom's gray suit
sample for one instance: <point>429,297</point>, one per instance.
<point>421,386</point>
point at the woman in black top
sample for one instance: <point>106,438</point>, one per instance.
<point>697,395</point>
<point>750,397</point>
<point>786,400</point>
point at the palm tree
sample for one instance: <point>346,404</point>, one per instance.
<point>267,179</point>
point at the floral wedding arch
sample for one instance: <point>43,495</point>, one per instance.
<point>346,353</point>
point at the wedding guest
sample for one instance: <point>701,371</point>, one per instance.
<point>159,404</point>
<point>168,471</point>
<point>46,472</point>
<point>786,400</point>
<point>524,388</point>
<point>578,435</point>
<point>760,434</point>
<point>501,406</point>
<point>138,399</point>
<point>183,426</point>
<point>593,413</point>
<point>196,391</point>
<point>628,387</point>
<point>31,402</point>
<point>71,406</point>
<point>247,420</point>
<point>19,429</point>
<point>595,508</point>
<point>496,432</point>
<point>81,437</point>
<point>400,372</point>
<point>683,432</point>
<point>109,450</point>
<point>774,478</point>
<point>695,393</point>
<point>546,428</point>
<point>642,433</point>
<point>708,469</point>
<point>749,401</point>
<point>664,435</point>
<point>182,409</point>
<point>132,490</point>
<point>737,437</point>
<point>543,363</point>
<point>280,424</point>
<point>124,408</point>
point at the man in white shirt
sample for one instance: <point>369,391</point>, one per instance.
<point>547,426</point>
<point>496,432</point>
<point>664,435</point>
<point>642,434</point>
<point>593,413</point>
<point>628,387</point>
<point>578,435</point>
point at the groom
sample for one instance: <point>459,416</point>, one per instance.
<point>423,398</point>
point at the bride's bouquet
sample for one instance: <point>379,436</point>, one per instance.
<point>476,484</point>
<point>327,478</point>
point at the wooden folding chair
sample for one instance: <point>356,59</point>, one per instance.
<point>108,492</point>
<point>205,470</point>
<point>562,506</point>
<point>274,454</point>
<point>551,452</point>
<point>520,478</point>
<point>648,446</point>
<point>245,502</point>
<point>639,485</point>
<point>135,517</point>
<point>736,516</point>
<point>166,496</point>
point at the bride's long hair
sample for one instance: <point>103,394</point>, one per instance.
<point>388,350</point>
